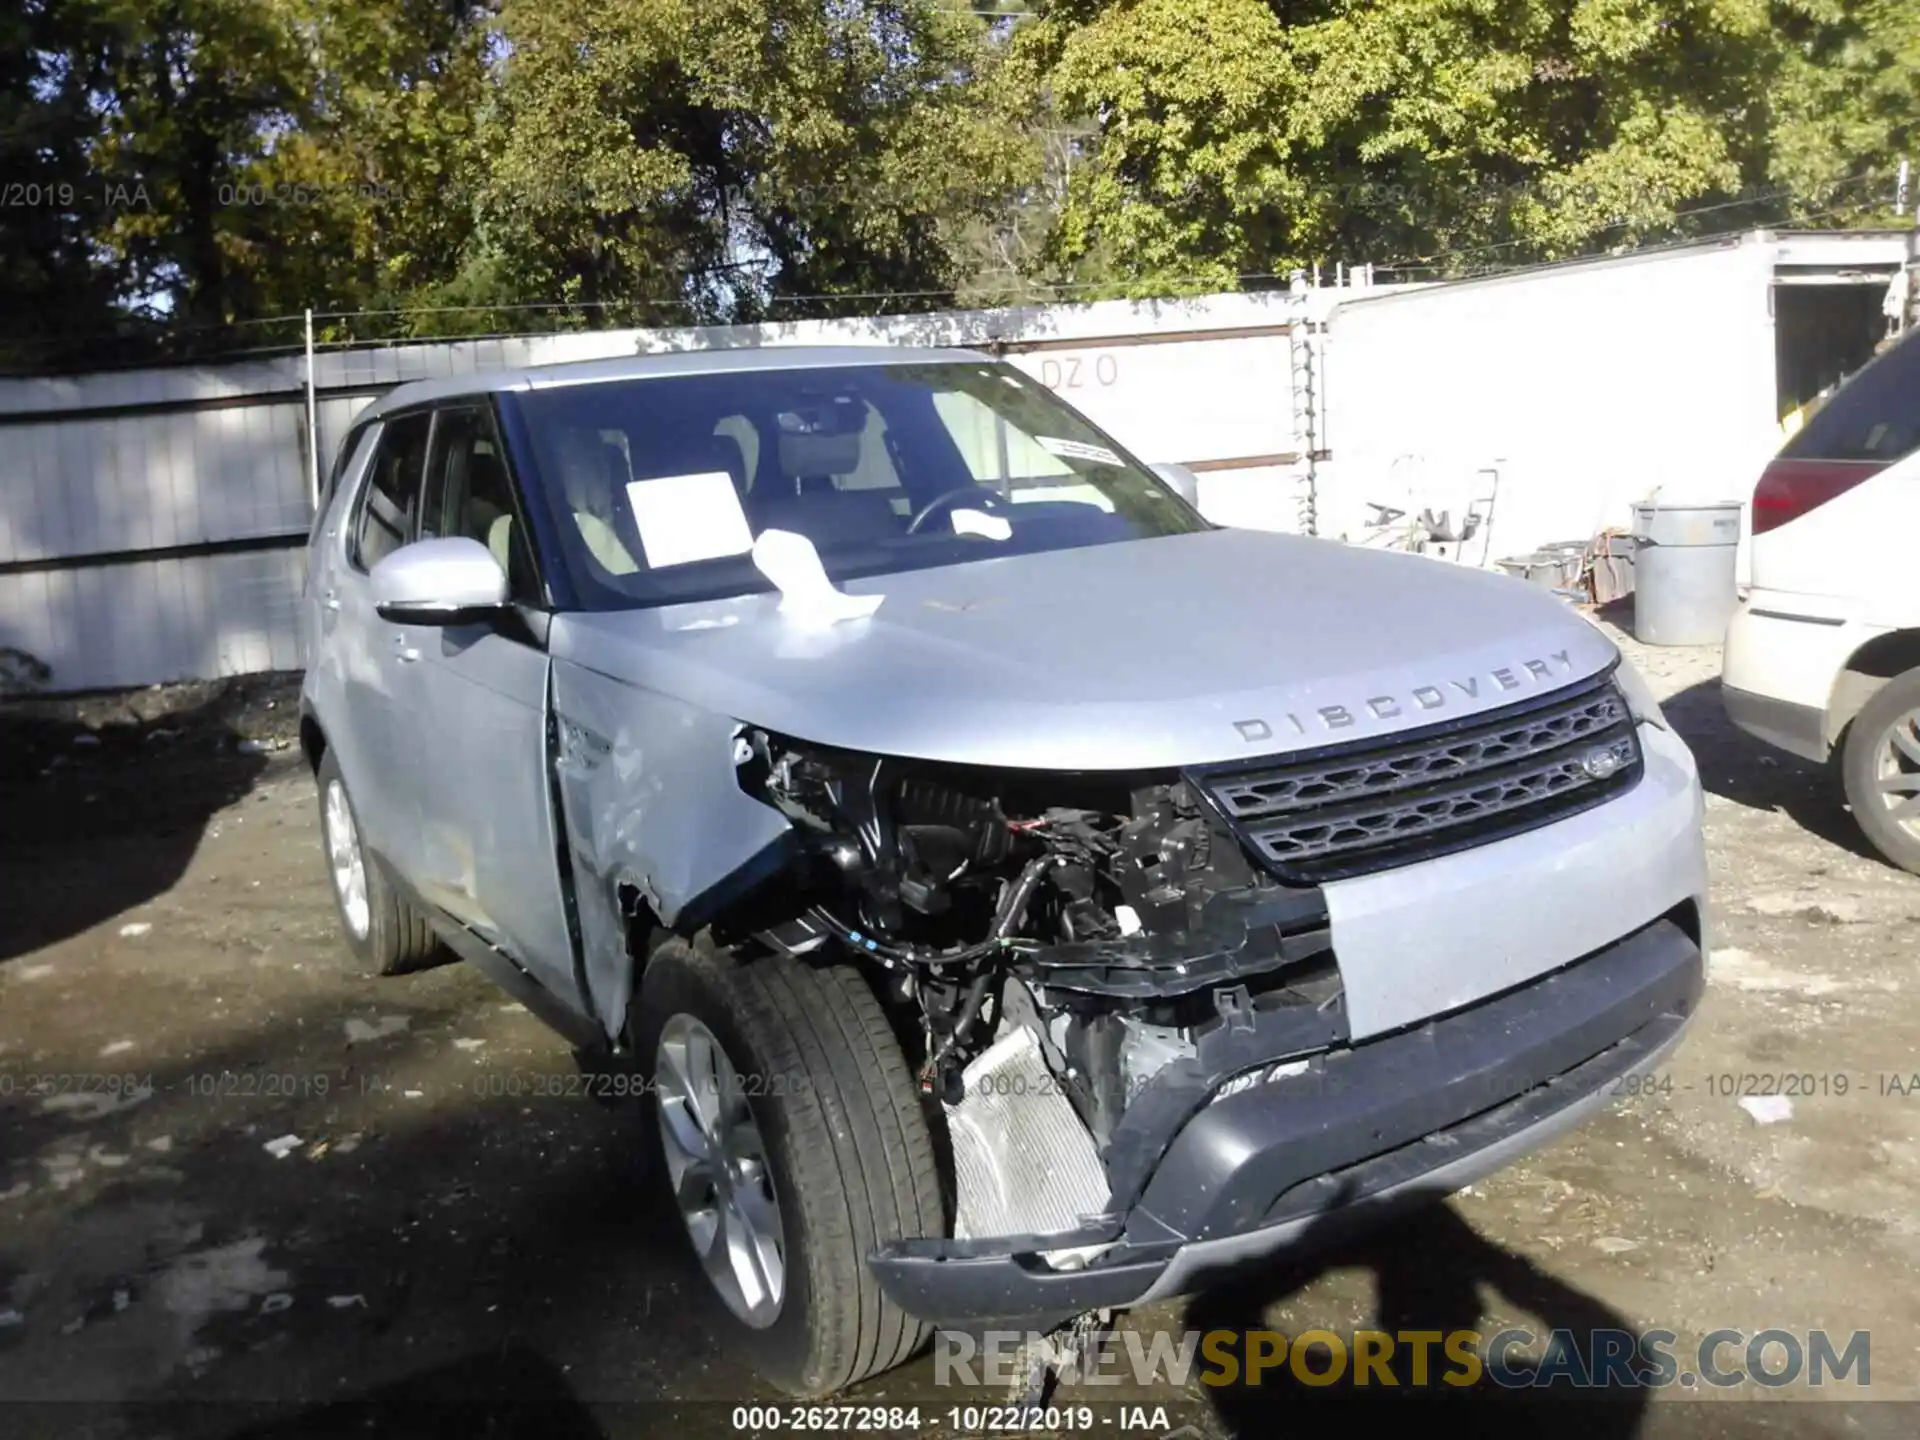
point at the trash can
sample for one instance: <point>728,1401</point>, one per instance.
<point>1684,567</point>
<point>1552,567</point>
<point>1540,568</point>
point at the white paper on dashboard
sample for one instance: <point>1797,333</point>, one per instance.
<point>1076,450</point>
<point>806,594</point>
<point>683,518</point>
<point>978,522</point>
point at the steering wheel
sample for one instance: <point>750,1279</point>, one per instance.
<point>984,500</point>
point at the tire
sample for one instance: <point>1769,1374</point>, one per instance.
<point>1883,736</point>
<point>386,934</point>
<point>845,1145</point>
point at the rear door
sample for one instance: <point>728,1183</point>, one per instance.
<point>489,848</point>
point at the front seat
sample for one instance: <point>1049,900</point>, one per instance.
<point>596,503</point>
<point>828,515</point>
<point>696,454</point>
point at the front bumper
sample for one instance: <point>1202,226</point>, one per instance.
<point>1414,1114</point>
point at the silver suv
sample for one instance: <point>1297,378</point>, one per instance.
<point>1020,896</point>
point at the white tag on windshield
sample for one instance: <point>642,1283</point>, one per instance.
<point>978,522</point>
<point>1076,450</point>
<point>683,518</point>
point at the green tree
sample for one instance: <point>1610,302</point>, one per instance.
<point>190,92</point>
<point>240,159</point>
<point>204,165</point>
<point>1250,136</point>
<point>380,170</point>
<point>55,284</point>
<point>716,157</point>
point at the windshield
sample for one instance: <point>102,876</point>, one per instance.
<point>658,487</point>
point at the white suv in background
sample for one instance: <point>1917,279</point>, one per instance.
<point>1823,655</point>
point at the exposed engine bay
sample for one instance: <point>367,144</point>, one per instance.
<point>1084,929</point>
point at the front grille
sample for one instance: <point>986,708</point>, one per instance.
<point>1376,804</point>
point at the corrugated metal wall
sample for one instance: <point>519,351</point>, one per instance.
<point>147,481</point>
<point>151,522</point>
<point>181,617</point>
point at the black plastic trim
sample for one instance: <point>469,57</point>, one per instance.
<point>1800,619</point>
<point>580,1030</point>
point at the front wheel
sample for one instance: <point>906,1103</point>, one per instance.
<point>1881,769</point>
<point>790,1136</point>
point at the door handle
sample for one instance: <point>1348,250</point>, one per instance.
<point>330,599</point>
<point>403,652</point>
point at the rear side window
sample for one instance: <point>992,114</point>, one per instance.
<point>1874,417</point>
<point>391,503</point>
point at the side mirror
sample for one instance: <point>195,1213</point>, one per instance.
<point>439,582</point>
<point>1182,481</point>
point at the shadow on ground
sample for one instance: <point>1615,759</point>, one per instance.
<point>1433,1273</point>
<point>103,800</point>
<point>512,1393</point>
<point>1742,769</point>
<point>433,1258</point>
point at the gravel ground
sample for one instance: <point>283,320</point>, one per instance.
<point>245,1191</point>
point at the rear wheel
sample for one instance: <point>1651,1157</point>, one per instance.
<point>791,1139</point>
<point>386,935</point>
<point>1881,769</point>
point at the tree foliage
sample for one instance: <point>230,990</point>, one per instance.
<point>195,171</point>
<point>724,154</point>
<point>1249,136</point>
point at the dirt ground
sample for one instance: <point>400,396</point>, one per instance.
<point>245,1191</point>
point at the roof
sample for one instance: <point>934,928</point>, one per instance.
<point>1832,249</point>
<point>661,366</point>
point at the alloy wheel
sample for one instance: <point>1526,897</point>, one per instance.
<point>1898,771</point>
<point>343,857</point>
<point>717,1166</point>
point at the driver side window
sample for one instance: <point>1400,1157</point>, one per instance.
<point>470,494</point>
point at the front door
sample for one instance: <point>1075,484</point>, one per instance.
<point>365,656</point>
<point>489,850</point>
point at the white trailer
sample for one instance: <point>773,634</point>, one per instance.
<point>1557,397</point>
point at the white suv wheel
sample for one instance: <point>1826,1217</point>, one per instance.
<point>344,859</point>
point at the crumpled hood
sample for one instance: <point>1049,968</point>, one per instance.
<point>1152,654</point>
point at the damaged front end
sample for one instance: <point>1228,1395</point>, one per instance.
<point>1076,964</point>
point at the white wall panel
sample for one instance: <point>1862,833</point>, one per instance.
<point>1586,387</point>
<point>140,482</point>
<point>199,617</point>
<point>1180,401</point>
